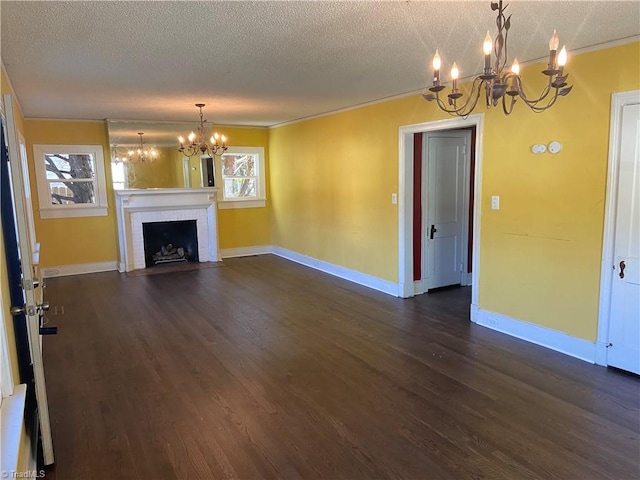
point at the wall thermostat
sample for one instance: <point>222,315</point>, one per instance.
<point>539,149</point>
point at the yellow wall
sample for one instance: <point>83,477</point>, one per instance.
<point>244,227</point>
<point>332,179</point>
<point>71,241</point>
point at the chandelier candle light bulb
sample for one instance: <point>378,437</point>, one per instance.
<point>562,59</point>
<point>515,70</point>
<point>437,63</point>
<point>455,73</point>
<point>495,81</point>
<point>487,47</point>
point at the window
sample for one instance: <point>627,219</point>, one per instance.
<point>243,182</point>
<point>71,180</point>
<point>119,175</point>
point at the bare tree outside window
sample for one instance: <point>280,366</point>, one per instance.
<point>71,178</point>
<point>239,175</point>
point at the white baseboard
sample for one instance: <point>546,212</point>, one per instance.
<point>420,286</point>
<point>546,337</point>
<point>338,271</point>
<point>245,251</point>
<point>65,270</point>
<point>474,313</point>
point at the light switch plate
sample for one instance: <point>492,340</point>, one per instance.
<point>394,198</point>
<point>495,202</point>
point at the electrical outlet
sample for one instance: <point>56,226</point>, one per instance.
<point>492,322</point>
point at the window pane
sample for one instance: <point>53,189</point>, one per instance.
<point>239,165</point>
<point>239,187</point>
<point>66,193</point>
<point>118,174</point>
<point>68,166</point>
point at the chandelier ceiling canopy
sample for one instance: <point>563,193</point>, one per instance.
<point>501,85</point>
<point>197,143</point>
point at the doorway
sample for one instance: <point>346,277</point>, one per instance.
<point>406,183</point>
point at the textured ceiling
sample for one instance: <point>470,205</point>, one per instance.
<point>264,63</point>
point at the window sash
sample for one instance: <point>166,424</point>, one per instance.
<point>48,208</point>
<point>243,155</point>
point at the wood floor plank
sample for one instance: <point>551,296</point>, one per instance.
<point>265,369</point>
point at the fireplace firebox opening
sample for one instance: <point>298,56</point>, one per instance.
<point>169,242</point>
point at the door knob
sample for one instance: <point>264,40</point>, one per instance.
<point>622,267</point>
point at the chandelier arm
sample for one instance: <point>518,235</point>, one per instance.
<point>549,104</point>
<point>459,110</point>
<point>476,87</point>
<point>509,109</point>
<point>532,103</point>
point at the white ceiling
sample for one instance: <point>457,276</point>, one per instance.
<point>263,63</point>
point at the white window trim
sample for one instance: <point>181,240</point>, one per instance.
<point>47,210</point>
<point>252,202</point>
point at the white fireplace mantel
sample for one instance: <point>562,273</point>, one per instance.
<point>137,206</point>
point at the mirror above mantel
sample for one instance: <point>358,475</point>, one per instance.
<point>170,169</point>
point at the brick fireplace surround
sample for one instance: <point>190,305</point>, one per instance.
<point>135,207</point>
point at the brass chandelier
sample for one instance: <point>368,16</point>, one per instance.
<point>198,144</point>
<point>142,154</point>
<point>498,83</point>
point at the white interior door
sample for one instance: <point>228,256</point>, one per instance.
<point>447,206</point>
<point>624,318</point>
<point>31,308</point>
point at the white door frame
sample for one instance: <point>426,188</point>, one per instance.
<point>405,201</point>
<point>618,101</point>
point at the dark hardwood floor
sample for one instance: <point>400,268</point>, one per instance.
<point>263,368</point>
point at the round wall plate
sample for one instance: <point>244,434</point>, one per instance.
<point>555,147</point>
